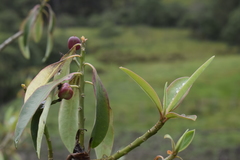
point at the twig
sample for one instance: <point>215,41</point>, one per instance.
<point>10,40</point>
<point>137,142</point>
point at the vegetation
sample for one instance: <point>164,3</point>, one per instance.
<point>144,49</point>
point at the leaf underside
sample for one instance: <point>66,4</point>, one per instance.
<point>102,118</point>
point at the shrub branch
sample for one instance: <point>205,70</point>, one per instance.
<point>137,142</point>
<point>10,40</point>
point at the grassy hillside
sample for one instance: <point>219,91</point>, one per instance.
<point>160,55</point>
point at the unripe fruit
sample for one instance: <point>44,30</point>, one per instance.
<point>65,92</point>
<point>72,41</point>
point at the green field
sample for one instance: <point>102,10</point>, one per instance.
<point>159,56</point>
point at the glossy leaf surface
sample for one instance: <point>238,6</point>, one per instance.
<point>68,120</point>
<point>173,90</point>
<point>182,91</point>
<point>185,140</point>
<point>145,87</point>
<point>33,102</point>
<point>105,148</point>
<point>165,97</point>
<point>102,117</point>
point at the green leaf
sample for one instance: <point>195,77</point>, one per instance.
<point>102,117</point>
<point>68,119</point>
<point>65,69</point>
<point>24,49</point>
<point>38,28</point>
<point>49,47</point>
<point>26,28</point>
<point>52,20</point>
<point>32,104</point>
<point>185,140</point>
<point>165,97</point>
<point>42,78</point>
<point>51,25</point>
<point>145,87</point>
<point>42,123</point>
<point>175,115</point>
<point>45,75</point>
<point>172,141</point>
<point>173,90</point>
<point>182,91</point>
<point>34,126</point>
<point>105,148</point>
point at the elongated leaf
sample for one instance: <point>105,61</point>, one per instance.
<point>102,118</point>
<point>68,119</point>
<point>172,141</point>
<point>29,23</point>
<point>26,28</point>
<point>24,49</point>
<point>65,69</point>
<point>32,104</point>
<point>183,90</point>
<point>165,97</point>
<point>185,140</point>
<point>145,87</point>
<point>68,113</point>
<point>38,28</point>
<point>51,25</point>
<point>34,126</point>
<point>172,91</point>
<point>175,115</point>
<point>42,123</point>
<point>105,148</point>
<point>42,78</point>
<point>49,47</point>
<point>45,75</point>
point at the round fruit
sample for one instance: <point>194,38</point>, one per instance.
<point>65,92</point>
<point>72,41</point>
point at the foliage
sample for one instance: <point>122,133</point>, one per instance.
<point>45,92</point>
<point>41,93</point>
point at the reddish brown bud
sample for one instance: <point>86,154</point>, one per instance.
<point>72,41</point>
<point>65,92</point>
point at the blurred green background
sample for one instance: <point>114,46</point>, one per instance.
<point>160,40</point>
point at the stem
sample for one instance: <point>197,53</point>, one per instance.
<point>81,118</point>
<point>170,157</point>
<point>10,40</point>
<point>19,33</point>
<point>138,141</point>
<point>49,144</point>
